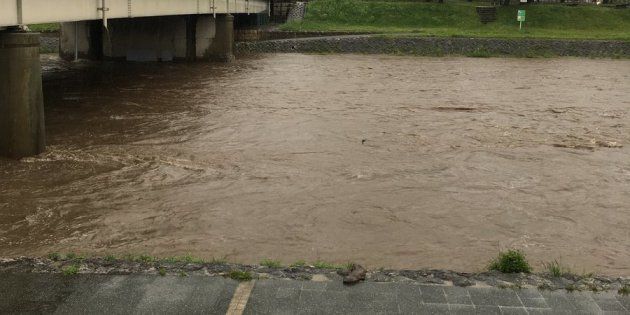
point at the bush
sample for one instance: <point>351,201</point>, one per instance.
<point>512,261</point>
<point>54,256</point>
<point>240,275</point>
<point>557,270</point>
<point>70,270</point>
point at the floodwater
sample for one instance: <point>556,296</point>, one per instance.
<point>390,161</point>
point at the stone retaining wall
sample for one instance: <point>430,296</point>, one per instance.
<point>247,35</point>
<point>49,43</point>
<point>438,46</point>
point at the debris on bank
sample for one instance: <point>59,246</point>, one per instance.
<point>98,265</point>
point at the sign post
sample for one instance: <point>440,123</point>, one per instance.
<point>520,18</point>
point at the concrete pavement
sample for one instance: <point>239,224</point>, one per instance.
<point>100,294</point>
<point>143,294</point>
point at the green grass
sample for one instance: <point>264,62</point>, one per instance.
<point>240,275</point>
<point>511,261</point>
<point>324,265</point>
<point>70,270</point>
<point>458,18</point>
<point>345,266</point>
<point>189,259</point>
<point>480,53</point>
<point>218,261</point>
<point>297,264</point>
<point>162,271</point>
<point>46,27</point>
<point>54,256</point>
<point>146,258</point>
<point>271,263</point>
<point>556,269</point>
<point>139,258</point>
<point>142,258</point>
<point>75,257</point>
<point>625,290</point>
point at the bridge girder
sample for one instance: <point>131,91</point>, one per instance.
<point>18,12</point>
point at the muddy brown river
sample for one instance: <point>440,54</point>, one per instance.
<point>388,161</point>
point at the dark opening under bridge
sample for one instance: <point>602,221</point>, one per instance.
<point>135,30</point>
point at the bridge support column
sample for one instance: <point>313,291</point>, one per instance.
<point>222,48</point>
<point>83,39</point>
<point>21,98</point>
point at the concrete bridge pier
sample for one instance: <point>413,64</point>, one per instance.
<point>222,48</point>
<point>21,98</point>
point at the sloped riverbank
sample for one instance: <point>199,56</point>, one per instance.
<point>183,267</point>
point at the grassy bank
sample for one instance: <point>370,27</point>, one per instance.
<point>45,28</point>
<point>458,18</point>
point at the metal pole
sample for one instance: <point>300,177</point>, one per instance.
<point>20,18</point>
<point>104,10</point>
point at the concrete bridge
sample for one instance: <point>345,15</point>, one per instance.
<point>17,12</point>
<point>133,30</point>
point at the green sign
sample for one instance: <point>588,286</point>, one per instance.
<point>521,16</point>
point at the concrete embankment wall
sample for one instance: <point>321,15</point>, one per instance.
<point>438,46</point>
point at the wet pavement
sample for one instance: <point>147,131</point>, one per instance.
<point>295,297</point>
<point>391,161</point>
<point>137,294</point>
<point>99,294</point>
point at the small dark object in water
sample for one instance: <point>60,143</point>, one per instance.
<point>454,109</point>
<point>355,274</point>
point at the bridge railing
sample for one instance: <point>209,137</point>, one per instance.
<point>16,12</point>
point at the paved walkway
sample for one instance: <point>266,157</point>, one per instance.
<point>138,294</point>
